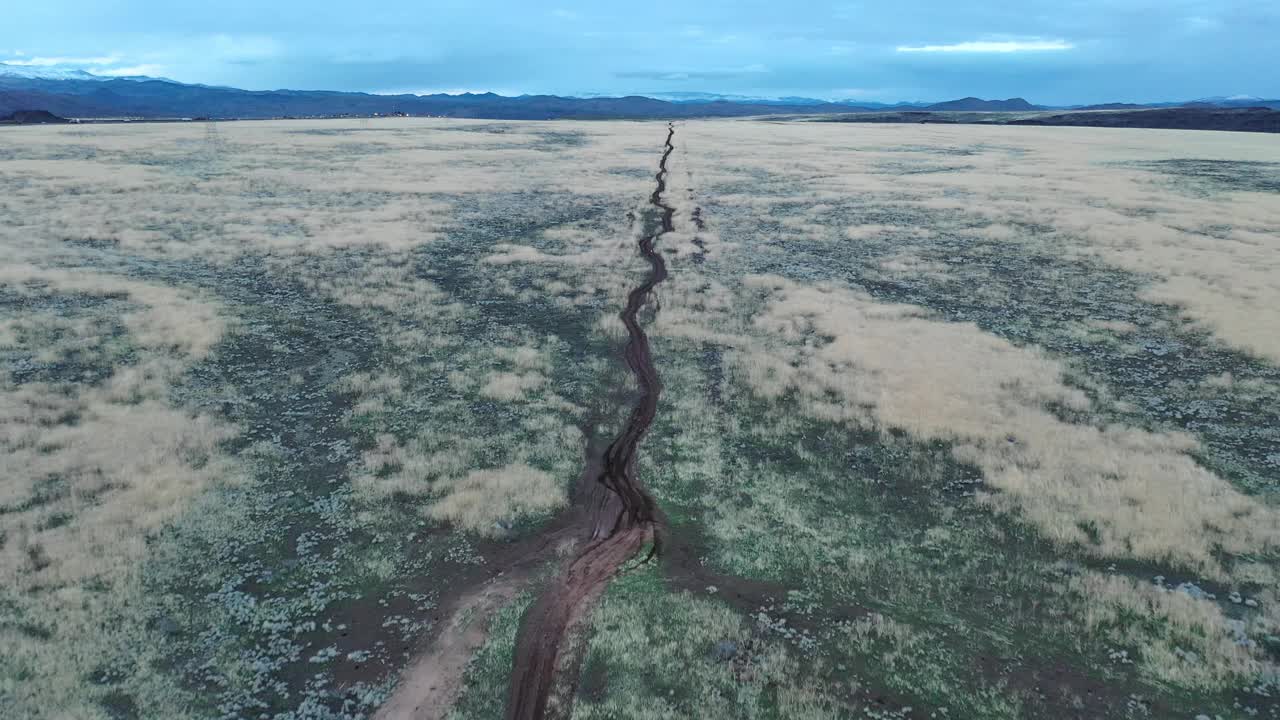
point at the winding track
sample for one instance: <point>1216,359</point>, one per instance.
<point>622,514</point>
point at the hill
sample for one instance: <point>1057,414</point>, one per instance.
<point>32,117</point>
<point>1200,117</point>
<point>1254,119</point>
<point>971,104</point>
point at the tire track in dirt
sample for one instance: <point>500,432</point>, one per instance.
<point>620,512</point>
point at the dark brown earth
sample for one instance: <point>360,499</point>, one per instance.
<point>460,623</point>
<point>622,517</point>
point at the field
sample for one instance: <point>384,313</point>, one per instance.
<point>349,419</point>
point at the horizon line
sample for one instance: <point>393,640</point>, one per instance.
<point>661,96</point>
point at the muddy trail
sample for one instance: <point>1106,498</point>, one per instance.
<point>618,514</point>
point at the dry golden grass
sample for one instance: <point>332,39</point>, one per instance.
<point>1190,643</point>
<point>509,386</point>
<point>528,365</point>
<point>128,463</point>
<point>1111,491</point>
<point>441,466</point>
<point>880,636</point>
<point>84,497</point>
<point>486,501</point>
<point>1119,492</point>
<point>289,187</point>
<point>438,464</point>
<point>348,213</point>
<point>376,392</point>
<point>1217,255</point>
<point>171,320</point>
<point>297,194</point>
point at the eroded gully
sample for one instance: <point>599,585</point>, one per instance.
<point>621,516</point>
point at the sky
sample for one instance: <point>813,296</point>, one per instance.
<point>1050,52</point>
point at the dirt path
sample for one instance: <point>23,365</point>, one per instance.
<point>622,516</point>
<point>430,686</point>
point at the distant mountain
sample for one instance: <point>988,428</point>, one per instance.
<point>77,94</point>
<point>44,73</point>
<point>62,72</point>
<point>705,97</point>
<point>1111,106</point>
<point>1238,101</point>
<point>972,104</point>
<point>1252,119</point>
<point>1235,101</point>
<point>1202,116</point>
<point>32,117</point>
<point>786,100</point>
<point>97,97</point>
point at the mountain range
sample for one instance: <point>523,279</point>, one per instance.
<point>75,93</point>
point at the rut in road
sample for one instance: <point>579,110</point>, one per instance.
<point>619,512</point>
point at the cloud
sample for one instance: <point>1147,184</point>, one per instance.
<point>52,61</point>
<point>1199,23</point>
<point>755,69</point>
<point>104,66</point>
<point>245,47</point>
<point>848,93</point>
<point>130,71</point>
<point>991,46</point>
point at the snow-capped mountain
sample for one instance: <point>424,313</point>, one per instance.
<point>62,72</point>
<point>46,72</point>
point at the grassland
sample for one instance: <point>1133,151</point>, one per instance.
<point>958,422</point>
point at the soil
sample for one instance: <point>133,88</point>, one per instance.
<point>429,687</point>
<point>621,516</point>
<point>611,519</point>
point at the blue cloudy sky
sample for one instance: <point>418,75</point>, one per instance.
<point>1059,51</point>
